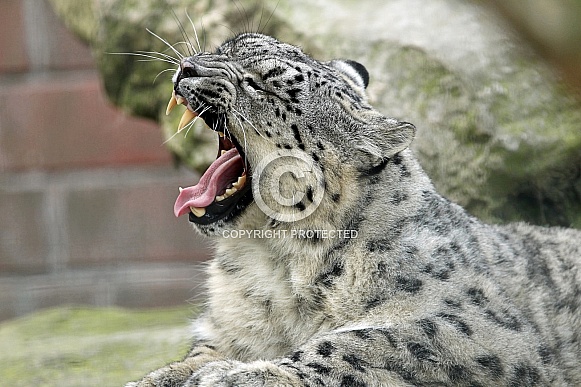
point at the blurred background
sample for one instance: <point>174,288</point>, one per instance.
<point>87,185</point>
<point>86,191</point>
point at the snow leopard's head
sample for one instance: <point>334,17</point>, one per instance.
<point>293,133</point>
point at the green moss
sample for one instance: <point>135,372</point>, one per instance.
<point>130,80</point>
<point>90,346</point>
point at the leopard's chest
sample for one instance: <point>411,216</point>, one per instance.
<point>254,308</point>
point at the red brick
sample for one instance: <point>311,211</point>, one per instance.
<point>24,243</point>
<point>130,222</point>
<point>66,51</point>
<point>66,122</point>
<point>12,37</point>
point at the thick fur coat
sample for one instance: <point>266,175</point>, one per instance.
<point>414,291</point>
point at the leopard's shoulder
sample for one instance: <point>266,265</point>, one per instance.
<point>338,263</point>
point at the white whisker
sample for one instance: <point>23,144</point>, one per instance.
<point>179,54</point>
<point>150,57</point>
<point>189,46</point>
<point>244,133</point>
<point>261,30</point>
<point>203,34</point>
<point>245,150</point>
<point>188,126</point>
<point>252,125</point>
<point>170,138</point>
<point>195,33</point>
<point>161,55</point>
<point>191,124</point>
<point>161,72</point>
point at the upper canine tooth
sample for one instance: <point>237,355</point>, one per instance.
<point>186,118</point>
<point>198,211</point>
<point>172,103</point>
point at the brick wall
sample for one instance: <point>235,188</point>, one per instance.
<point>86,192</point>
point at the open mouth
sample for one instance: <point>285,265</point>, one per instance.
<point>224,189</point>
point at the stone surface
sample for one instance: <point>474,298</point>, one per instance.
<point>552,28</point>
<point>496,130</point>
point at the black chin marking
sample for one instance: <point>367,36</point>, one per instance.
<point>227,209</point>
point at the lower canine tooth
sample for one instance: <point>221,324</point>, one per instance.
<point>186,118</point>
<point>199,212</point>
<point>240,183</point>
<point>221,134</point>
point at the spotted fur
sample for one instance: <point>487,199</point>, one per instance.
<point>424,295</point>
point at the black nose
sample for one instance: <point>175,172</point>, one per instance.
<point>188,72</point>
<point>187,69</point>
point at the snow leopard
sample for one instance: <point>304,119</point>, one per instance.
<point>336,261</point>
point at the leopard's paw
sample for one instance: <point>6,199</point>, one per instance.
<point>235,373</point>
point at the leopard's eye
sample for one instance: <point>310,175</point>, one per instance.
<point>251,83</point>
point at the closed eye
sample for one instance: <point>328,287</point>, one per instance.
<point>251,83</point>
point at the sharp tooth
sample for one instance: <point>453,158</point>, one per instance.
<point>222,152</point>
<point>240,183</point>
<point>180,100</point>
<point>230,191</point>
<point>172,103</point>
<point>199,212</point>
<point>181,189</point>
<point>220,198</point>
<point>221,134</point>
<point>186,118</point>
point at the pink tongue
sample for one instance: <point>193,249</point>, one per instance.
<point>223,171</point>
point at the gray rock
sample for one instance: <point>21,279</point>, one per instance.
<point>497,132</point>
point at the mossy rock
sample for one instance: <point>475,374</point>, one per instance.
<point>82,346</point>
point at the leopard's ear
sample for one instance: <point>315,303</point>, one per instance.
<point>398,138</point>
<point>382,142</point>
<point>354,71</point>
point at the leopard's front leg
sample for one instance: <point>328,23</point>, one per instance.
<point>436,350</point>
<point>176,374</point>
<point>331,359</point>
